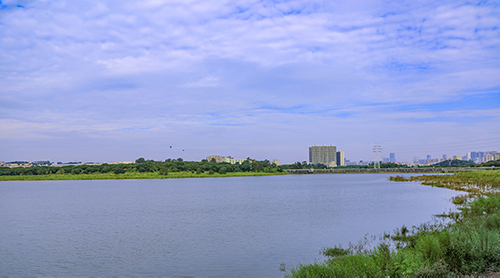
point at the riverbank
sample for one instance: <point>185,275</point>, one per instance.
<point>389,170</point>
<point>468,245</point>
<point>132,175</point>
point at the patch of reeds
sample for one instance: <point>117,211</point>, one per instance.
<point>476,182</point>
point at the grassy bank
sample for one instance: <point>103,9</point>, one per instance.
<point>468,245</point>
<point>133,175</point>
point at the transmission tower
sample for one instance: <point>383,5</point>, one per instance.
<point>377,149</point>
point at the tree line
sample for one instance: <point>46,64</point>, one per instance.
<point>142,165</point>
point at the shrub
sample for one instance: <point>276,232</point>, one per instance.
<point>163,171</point>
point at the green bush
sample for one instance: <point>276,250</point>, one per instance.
<point>163,171</point>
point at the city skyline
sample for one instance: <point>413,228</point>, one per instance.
<point>475,156</point>
<point>97,81</point>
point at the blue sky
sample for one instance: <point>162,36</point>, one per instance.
<point>118,80</point>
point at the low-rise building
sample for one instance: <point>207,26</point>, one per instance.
<point>229,159</point>
<point>16,164</point>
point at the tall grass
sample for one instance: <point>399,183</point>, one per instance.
<point>468,245</point>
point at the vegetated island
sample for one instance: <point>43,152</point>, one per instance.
<point>463,243</point>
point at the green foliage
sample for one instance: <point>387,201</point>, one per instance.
<point>495,163</point>
<point>118,170</point>
<point>76,171</point>
<point>140,160</point>
<point>336,251</point>
<point>163,171</point>
<point>454,163</point>
<point>222,170</point>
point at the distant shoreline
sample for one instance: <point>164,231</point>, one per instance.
<point>133,176</point>
<point>389,170</point>
<point>181,175</point>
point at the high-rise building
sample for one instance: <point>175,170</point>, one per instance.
<point>340,158</point>
<point>492,156</point>
<point>323,154</point>
<point>392,157</point>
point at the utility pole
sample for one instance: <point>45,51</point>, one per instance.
<point>376,149</point>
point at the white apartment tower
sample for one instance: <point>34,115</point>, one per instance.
<point>323,154</point>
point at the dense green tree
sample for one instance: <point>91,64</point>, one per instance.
<point>454,163</point>
<point>495,163</point>
<point>118,170</point>
<point>245,166</point>
<point>163,171</point>
<point>140,160</point>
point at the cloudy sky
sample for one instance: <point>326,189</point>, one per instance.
<point>117,80</point>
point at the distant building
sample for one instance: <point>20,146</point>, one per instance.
<point>392,157</point>
<point>478,157</point>
<point>457,157</point>
<point>275,161</point>
<point>340,158</point>
<point>233,160</point>
<point>217,158</point>
<point>492,156</point>
<point>16,164</point>
<point>323,154</point>
<point>229,159</point>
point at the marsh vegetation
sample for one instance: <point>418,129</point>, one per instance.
<point>465,242</point>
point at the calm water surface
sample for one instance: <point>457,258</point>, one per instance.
<point>211,227</point>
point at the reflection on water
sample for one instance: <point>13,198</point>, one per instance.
<point>220,227</point>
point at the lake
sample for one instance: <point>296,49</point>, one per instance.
<point>207,227</point>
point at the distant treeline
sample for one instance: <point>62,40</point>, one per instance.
<point>142,165</point>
